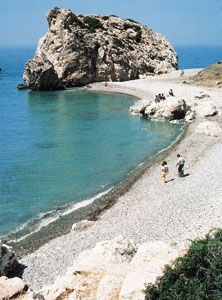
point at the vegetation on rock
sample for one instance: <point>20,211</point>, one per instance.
<point>197,275</point>
<point>211,76</point>
<point>93,23</point>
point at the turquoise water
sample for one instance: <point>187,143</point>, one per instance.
<point>63,147</point>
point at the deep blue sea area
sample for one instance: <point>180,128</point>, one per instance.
<point>64,147</point>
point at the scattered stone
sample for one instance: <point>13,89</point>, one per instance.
<point>82,225</point>
<point>209,128</point>
<point>202,95</point>
<point>78,50</point>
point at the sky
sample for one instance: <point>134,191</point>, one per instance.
<point>183,22</point>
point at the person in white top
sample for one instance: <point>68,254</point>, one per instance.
<point>180,165</point>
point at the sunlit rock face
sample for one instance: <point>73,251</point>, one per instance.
<point>78,50</point>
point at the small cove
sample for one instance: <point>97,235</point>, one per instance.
<point>61,148</point>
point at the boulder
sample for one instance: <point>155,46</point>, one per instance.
<point>209,128</point>
<point>109,287</point>
<point>10,288</point>
<point>138,108</point>
<point>201,95</point>
<point>170,109</point>
<point>82,225</point>
<point>147,264</point>
<point>205,109</point>
<point>40,75</point>
<point>82,49</point>
<point>7,259</point>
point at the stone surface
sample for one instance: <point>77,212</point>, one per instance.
<point>209,128</point>
<point>170,109</point>
<point>7,259</point>
<point>78,50</point>
<point>109,288</point>
<point>82,225</point>
<point>113,270</point>
<point>206,109</point>
<point>10,288</point>
<point>40,75</point>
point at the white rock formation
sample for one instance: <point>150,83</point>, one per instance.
<point>112,270</point>
<point>170,109</point>
<point>209,128</point>
<point>205,109</point>
<point>82,50</point>
<point>10,288</point>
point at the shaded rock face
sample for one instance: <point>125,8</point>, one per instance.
<point>8,260</point>
<point>78,50</point>
<point>40,75</point>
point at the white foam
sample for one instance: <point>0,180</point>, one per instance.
<point>50,219</point>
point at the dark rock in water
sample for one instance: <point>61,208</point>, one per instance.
<point>40,75</point>
<point>22,86</point>
<point>78,50</point>
<point>0,69</point>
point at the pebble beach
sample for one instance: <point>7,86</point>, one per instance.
<point>181,210</point>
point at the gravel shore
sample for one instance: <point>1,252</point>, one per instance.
<point>180,210</point>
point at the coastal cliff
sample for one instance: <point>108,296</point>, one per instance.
<point>78,50</point>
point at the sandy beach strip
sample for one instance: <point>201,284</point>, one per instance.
<point>180,210</point>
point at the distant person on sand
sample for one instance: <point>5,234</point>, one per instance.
<point>171,92</point>
<point>180,165</point>
<point>165,172</point>
<point>182,73</point>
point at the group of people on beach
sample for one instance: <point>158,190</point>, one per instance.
<point>161,97</point>
<point>180,168</point>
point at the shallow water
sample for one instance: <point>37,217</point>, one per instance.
<point>63,147</point>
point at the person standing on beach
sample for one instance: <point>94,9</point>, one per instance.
<point>165,172</point>
<point>180,165</point>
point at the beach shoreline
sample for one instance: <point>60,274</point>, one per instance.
<point>126,209</point>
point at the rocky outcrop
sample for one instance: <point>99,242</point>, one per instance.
<point>170,109</point>
<point>113,270</point>
<point>78,50</point>
<point>7,259</point>
<point>209,128</point>
<point>40,75</point>
<point>11,288</point>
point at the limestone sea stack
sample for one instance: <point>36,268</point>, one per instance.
<point>78,50</point>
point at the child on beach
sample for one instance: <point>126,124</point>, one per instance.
<point>165,172</point>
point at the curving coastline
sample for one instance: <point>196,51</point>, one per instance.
<point>143,208</point>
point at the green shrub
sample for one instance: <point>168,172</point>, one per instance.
<point>105,18</point>
<point>93,23</point>
<point>195,276</point>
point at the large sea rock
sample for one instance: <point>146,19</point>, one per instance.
<point>78,50</point>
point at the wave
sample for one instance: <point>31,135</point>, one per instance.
<point>44,219</point>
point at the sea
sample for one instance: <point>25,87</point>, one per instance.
<point>61,150</point>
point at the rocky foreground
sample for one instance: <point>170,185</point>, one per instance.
<point>117,269</point>
<point>78,50</point>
